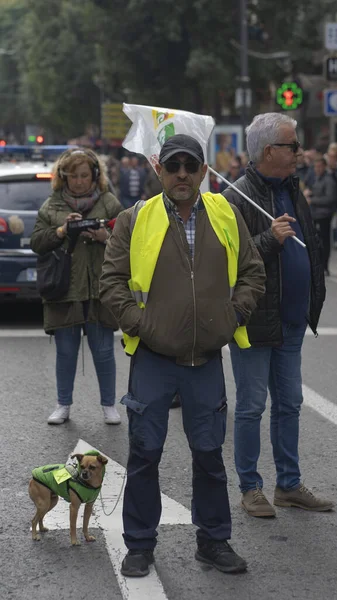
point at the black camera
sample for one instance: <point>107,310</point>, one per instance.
<point>76,227</point>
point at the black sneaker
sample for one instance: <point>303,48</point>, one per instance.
<point>136,563</point>
<point>220,555</point>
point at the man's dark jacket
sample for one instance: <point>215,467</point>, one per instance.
<point>323,201</point>
<point>264,327</point>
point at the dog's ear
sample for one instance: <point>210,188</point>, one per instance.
<point>78,456</point>
<point>102,459</point>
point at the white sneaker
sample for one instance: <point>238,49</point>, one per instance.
<point>60,415</point>
<point>111,415</point>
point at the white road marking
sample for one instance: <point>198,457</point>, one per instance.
<point>323,331</point>
<point>312,399</point>
<point>31,333</point>
<point>20,333</point>
<point>36,333</point>
<point>324,407</point>
<point>173,514</point>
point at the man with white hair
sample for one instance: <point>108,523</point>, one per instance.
<point>295,293</point>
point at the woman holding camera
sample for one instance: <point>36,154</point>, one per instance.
<point>80,190</point>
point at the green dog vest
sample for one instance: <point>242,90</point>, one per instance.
<point>46,476</point>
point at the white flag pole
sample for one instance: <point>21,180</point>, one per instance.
<point>252,202</point>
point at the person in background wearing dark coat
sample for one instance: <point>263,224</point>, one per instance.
<point>331,161</point>
<point>295,293</point>
<point>131,183</point>
<point>322,198</point>
<point>152,185</point>
<point>234,170</point>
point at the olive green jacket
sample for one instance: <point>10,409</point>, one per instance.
<point>86,267</point>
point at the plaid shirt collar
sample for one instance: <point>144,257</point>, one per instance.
<point>172,207</point>
<point>190,224</point>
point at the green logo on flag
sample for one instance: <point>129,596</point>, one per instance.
<point>165,133</point>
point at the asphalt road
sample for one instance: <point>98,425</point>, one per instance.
<point>292,556</point>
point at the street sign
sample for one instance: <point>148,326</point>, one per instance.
<point>243,97</point>
<point>114,122</point>
<point>330,103</point>
<point>330,68</point>
<point>331,36</point>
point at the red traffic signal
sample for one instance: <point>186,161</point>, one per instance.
<point>2,143</point>
<point>39,139</point>
<point>289,96</point>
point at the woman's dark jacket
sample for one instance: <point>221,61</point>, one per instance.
<point>265,327</point>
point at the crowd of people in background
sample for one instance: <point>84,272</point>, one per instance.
<point>132,179</point>
<point>318,180</point>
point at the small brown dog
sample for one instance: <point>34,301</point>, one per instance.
<point>77,483</point>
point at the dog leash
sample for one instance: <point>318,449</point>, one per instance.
<point>72,468</point>
<point>118,499</point>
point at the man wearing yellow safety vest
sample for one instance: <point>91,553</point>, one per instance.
<point>182,277</point>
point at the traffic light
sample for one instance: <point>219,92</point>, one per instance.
<point>2,143</point>
<point>289,96</point>
<point>35,139</point>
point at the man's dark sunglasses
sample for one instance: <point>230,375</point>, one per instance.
<point>173,166</point>
<point>294,146</point>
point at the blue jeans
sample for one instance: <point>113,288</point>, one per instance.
<point>101,344</point>
<point>154,380</point>
<point>256,369</point>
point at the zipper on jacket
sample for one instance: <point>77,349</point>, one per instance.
<point>195,318</point>
<point>278,257</point>
<point>190,265</point>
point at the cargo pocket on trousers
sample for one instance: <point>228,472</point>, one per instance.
<point>132,403</point>
<point>220,418</point>
<point>135,411</point>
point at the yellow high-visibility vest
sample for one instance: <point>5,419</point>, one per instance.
<point>147,237</point>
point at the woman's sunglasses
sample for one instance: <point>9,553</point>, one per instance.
<point>173,166</point>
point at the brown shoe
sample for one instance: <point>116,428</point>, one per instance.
<point>301,497</point>
<point>256,504</point>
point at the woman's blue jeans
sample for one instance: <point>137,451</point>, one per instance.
<point>256,369</point>
<point>101,344</point>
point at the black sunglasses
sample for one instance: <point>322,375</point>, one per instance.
<point>294,146</point>
<point>173,166</point>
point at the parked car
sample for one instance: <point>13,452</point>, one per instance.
<point>24,186</point>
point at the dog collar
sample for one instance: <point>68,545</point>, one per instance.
<point>74,469</point>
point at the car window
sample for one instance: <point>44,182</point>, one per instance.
<point>23,195</point>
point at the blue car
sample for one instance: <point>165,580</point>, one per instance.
<point>24,186</point>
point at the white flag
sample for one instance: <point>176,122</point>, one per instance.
<point>152,126</point>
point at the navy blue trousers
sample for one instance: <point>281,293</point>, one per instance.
<point>154,380</point>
